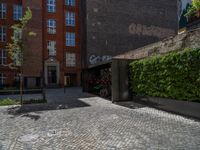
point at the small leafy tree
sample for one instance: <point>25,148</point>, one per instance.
<point>194,9</point>
<point>18,45</point>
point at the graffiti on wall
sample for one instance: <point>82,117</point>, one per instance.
<point>93,59</point>
<point>139,29</point>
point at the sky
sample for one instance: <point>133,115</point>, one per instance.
<point>184,3</point>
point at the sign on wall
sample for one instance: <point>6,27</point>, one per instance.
<point>98,59</point>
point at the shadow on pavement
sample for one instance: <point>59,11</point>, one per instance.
<point>138,103</point>
<point>131,104</point>
<point>32,111</point>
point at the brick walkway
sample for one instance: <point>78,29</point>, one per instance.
<point>90,123</point>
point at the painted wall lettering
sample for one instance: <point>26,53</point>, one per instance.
<point>144,30</point>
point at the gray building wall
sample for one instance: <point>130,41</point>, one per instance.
<point>117,26</point>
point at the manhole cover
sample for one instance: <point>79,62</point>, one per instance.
<point>29,138</point>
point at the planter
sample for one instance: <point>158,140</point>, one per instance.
<point>190,109</point>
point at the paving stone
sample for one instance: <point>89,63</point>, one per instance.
<point>86,122</point>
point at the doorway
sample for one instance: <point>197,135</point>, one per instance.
<point>52,75</point>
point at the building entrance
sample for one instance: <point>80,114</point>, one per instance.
<point>52,75</point>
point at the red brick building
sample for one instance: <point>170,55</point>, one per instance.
<point>55,52</point>
<point>73,35</point>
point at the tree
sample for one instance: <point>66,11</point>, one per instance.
<point>194,9</point>
<point>183,20</point>
<point>18,45</point>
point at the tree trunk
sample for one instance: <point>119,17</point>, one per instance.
<point>43,88</point>
<point>21,86</point>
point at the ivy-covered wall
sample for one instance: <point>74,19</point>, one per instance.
<point>175,75</point>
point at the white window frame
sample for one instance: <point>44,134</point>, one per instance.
<point>51,6</point>
<point>3,10</point>
<point>70,18</point>
<point>3,34</point>
<point>51,46</point>
<point>51,26</point>
<point>70,59</point>
<point>70,2</point>
<point>17,12</point>
<point>17,34</point>
<point>2,79</point>
<point>3,57</point>
<point>70,39</point>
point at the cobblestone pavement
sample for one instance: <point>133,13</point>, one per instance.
<point>92,123</point>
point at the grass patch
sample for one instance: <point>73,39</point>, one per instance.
<point>34,101</point>
<point>8,101</point>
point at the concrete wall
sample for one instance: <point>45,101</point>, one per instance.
<point>190,109</point>
<point>190,39</point>
<point>120,80</point>
<point>114,27</point>
<point>120,70</point>
<point>194,25</point>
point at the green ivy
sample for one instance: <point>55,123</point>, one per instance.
<point>175,75</point>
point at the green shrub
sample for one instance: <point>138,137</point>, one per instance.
<point>175,75</point>
<point>194,8</point>
<point>8,101</point>
<point>34,101</point>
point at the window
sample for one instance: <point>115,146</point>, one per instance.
<point>2,11</point>
<point>51,46</point>
<point>51,26</point>
<point>18,34</point>
<point>17,78</point>
<point>70,59</point>
<point>70,18</point>
<point>17,12</point>
<point>2,79</point>
<point>70,39</point>
<point>51,6</point>
<point>3,57</point>
<point>2,34</point>
<point>70,2</point>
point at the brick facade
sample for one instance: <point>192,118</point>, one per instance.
<point>103,29</point>
<point>7,22</point>
<point>189,39</point>
<point>37,57</point>
<point>115,27</point>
